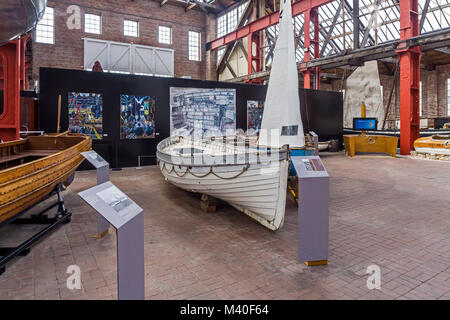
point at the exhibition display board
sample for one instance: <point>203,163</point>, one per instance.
<point>127,115</point>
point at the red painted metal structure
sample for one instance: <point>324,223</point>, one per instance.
<point>254,53</point>
<point>311,15</point>
<point>263,23</point>
<point>409,58</point>
<point>309,8</point>
<point>409,77</point>
<point>12,58</point>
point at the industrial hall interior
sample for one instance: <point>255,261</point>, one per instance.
<point>225,150</point>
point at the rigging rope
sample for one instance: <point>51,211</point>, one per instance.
<point>211,171</point>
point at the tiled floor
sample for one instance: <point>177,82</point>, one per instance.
<point>390,212</point>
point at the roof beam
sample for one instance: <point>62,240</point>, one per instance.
<point>424,15</point>
<point>221,4</point>
<point>205,7</point>
<point>357,57</point>
<point>330,32</point>
<point>189,5</point>
<point>231,70</point>
<point>351,11</point>
<point>229,49</point>
<point>200,4</point>
<point>356,24</point>
<point>426,42</point>
<point>262,23</point>
<point>443,50</point>
<point>369,25</point>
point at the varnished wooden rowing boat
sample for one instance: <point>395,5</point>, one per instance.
<point>31,168</point>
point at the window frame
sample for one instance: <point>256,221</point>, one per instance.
<point>448,96</point>
<point>100,27</point>
<point>124,28</point>
<point>197,47</point>
<point>420,99</point>
<point>52,26</point>
<point>159,34</point>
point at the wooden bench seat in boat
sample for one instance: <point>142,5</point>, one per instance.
<point>25,154</point>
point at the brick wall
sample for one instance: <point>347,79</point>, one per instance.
<point>434,93</point>
<point>211,56</point>
<point>68,50</point>
<point>441,89</point>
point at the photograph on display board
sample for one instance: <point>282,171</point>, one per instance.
<point>255,111</point>
<point>202,112</point>
<point>137,117</point>
<point>86,114</point>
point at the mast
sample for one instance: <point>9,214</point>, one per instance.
<point>282,123</point>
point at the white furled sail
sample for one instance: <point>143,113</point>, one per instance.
<point>282,123</point>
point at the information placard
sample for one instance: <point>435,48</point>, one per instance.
<point>95,159</point>
<point>126,216</point>
<point>114,205</point>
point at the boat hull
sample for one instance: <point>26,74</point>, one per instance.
<point>431,145</point>
<point>257,188</point>
<point>24,185</point>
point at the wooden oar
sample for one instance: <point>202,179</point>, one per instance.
<point>62,133</point>
<point>59,115</point>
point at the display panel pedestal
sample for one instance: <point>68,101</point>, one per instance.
<point>127,218</point>
<point>313,212</point>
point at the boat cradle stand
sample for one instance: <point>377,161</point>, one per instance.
<point>62,216</point>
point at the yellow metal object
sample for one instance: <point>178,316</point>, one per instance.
<point>316,263</point>
<point>294,190</point>
<point>208,203</point>
<point>363,115</point>
<point>104,233</point>
<point>363,111</point>
<point>370,143</point>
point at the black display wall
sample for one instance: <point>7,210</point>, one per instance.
<point>123,153</point>
<point>323,113</point>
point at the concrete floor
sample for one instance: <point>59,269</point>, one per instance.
<point>390,212</point>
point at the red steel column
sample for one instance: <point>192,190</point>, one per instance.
<point>10,118</point>
<point>311,15</point>
<point>315,41</point>
<point>409,77</point>
<point>249,53</point>
<point>254,55</point>
<point>23,66</point>
<point>307,54</point>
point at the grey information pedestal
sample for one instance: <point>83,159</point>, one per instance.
<point>313,212</point>
<point>315,139</point>
<point>126,216</point>
<point>102,176</point>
